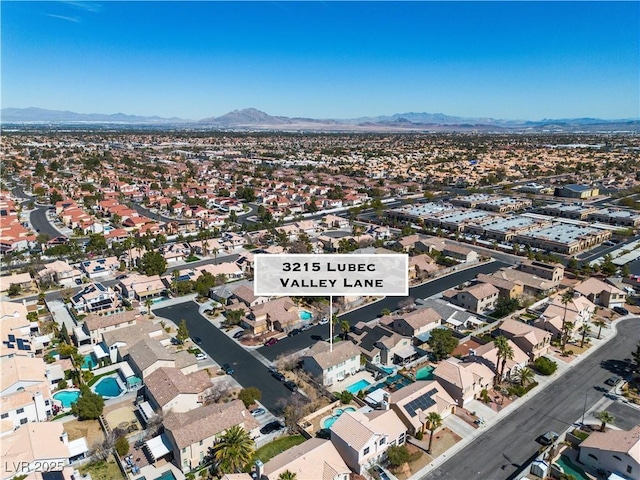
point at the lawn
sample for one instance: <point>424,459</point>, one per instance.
<point>270,450</point>
<point>103,470</point>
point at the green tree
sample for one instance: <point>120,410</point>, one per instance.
<point>398,455</point>
<point>525,376</point>
<point>505,352</point>
<point>442,342</point>
<point>96,244</point>
<point>40,171</point>
<point>565,300</point>
<point>249,396</point>
<point>600,322</point>
<point>55,197</point>
<point>544,366</point>
<point>152,263</point>
<point>605,418</point>
<point>89,405</point>
<point>385,312</point>
<point>183,332</point>
<point>233,317</point>
<point>584,329</point>
<point>234,450</point>
<point>434,421</point>
<point>287,475</point>
<point>345,326</point>
<point>148,303</point>
<point>122,446</point>
<point>346,397</point>
<point>14,289</point>
<point>505,306</point>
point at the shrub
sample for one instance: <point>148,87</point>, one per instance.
<point>544,366</point>
<point>62,384</point>
<point>89,405</point>
<point>122,446</point>
<point>519,390</point>
<point>484,396</point>
<point>398,455</point>
<point>249,396</point>
<point>346,397</point>
<point>419,435</point>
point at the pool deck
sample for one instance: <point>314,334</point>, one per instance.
<point>347,382</point>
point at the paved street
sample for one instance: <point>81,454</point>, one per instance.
<point>249,372</point>
<point>40,222</point>
<point>369,312</point>
<point>499,453</point>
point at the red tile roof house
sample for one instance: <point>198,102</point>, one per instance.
<point>534,341</point>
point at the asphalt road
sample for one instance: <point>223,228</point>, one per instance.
<point>293,344</point>
<point>40,222</point>
<point>503,450</point>
<point>249,372</point>
<point>155,216</point>
<point>626,417</point>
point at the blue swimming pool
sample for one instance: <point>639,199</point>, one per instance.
<point>425,373</point>
<point>329,421</point>
<point>356,387</point>
<point>89,362</point>
<point>305,316</point>
<point>108,387</point>
<point>570,468</point>
<point>67,397</point>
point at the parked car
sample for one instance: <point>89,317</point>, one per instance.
<point>277,375</point>
<point>294,332</point>
<point>613,381</point>
<point>228,369</point>
<point>323,321</point>
<point>201,356</point>
<point>271,427</point>
<point>381,473</point>
<point>291,385</point>
<point>271,341</point>
<point>256,412</point>
<point>621,310</point>
<point>238,334</point>
<point>197,340</point>
<point>548,438</point>
<point>120,277</point>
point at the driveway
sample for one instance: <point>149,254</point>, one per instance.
<point>369,312</point>
<point>249,372</point>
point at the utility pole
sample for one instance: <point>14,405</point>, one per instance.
<point>584,409</point>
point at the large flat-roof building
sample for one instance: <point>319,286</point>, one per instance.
<point>573,190</point>
<point>564,238</point>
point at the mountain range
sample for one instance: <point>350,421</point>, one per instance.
<point>253,119</point>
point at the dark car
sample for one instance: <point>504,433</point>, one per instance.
<point>271,341</point>
<point>613,381</point>
<point>277,375</point>
<point>291,385</point>
<point>621,310</point>
<point>120,277</point>
<point>317,337</point>
<point>197,340</point>
<point>238,334</point>
<point>547,438</point>
<point>294,332</point>
<point>271,427</point>
<point>228,369</point>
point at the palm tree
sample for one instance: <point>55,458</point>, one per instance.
<point>345,326</point>
<point>600,322</point>
<point>502,345</point>
<point>148,303</point>
<point>605,417</point>
<point>565,299</point>
<point>567,328</point>
<point>584,329</point>
<point>434,420</point>
<point>287,475</point>
<point>234,450</point>
<point>525,375</point>
<point>174,281</point>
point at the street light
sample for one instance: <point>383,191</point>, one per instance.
<point>584,409</point>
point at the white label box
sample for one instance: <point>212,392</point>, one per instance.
<point>324,275</point>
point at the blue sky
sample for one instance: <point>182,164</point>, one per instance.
<point>511,60</point>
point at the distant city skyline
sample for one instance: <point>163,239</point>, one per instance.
<point>511,60</point>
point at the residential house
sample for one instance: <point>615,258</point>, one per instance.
<point>577,311</point>
<point>414,402</point>
<point>314,459</point>
<point>380,345</point>
<point>421,267</point>
<point>25,392</point>
<point>100,267</point>
<point>23,280</point>
<point>362,439</point>
<point>25,449</point>
<point>534,341</point>
<point>19,336</point>
<point>460,253</point>
<point>280,314</point>
<point>117,342</point>
<point>60,272</point>
<point>95,325</point>
<point>140,287</point>
<point>417,322</point>
<point>601,293</point>
<point>614,451</point>
<point>488,355</point>
<point>477,298</point>
<point>148,355</point>
<point>331,366</point>
<point>191,434</point>
<point>168,389</point>
<point>464,381</point>
<point>245,294</point>
<point>334,221</point>
<point>549,271</point>
<point>532,284</point>
<point>452,316</point>
<point>95,297</point>
<point>506,288</point>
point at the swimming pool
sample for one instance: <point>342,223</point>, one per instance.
<point>108,387</point>
<point>305,316</point>
<point>329,421</point>
<point>425,373</point>
<point>356,387</point>
<point>67,397</point>
<point>569,467</point>
<point>89,362</point>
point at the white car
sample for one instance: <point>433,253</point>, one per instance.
<point>201,356</point>
<point>324,321</point>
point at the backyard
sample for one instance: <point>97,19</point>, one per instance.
<point>90,429</point>
<point>270,450</point>
<point>103,470</point>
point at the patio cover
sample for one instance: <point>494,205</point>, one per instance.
<point>80,334</point>
<point>454,322</point>
<point>475,321</point>
<point>158,446</point>
<point>375,397</point>
<point>126,370</point>
<point>146,411</point>
<point>406,352</point>
<point>99,351</point>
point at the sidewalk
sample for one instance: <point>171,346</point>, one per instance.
<point>543,381</point>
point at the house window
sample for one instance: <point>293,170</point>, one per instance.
<point>20,410</point>
<point>402,439</point>
<point>201,442</point>
<point>382,440</point>
<point>593,456</point>
<point>629,468</point>
<point>617,458</point>
<point>23,421</point>
<point>184,450</point>
<point>4,415</point>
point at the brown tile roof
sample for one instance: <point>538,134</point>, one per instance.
<point>167,383</point>
<point>205,422</point>
<point>94,322</point>
<point>342,351</point>
<point>616,441</point>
